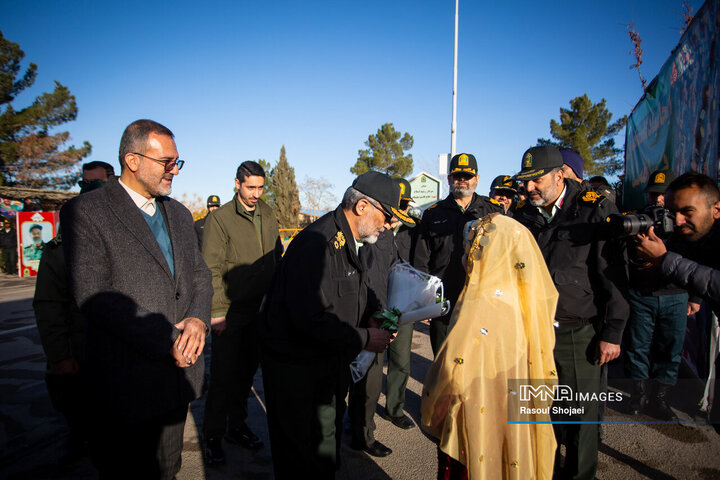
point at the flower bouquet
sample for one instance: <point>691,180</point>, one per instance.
<point>412,296</point>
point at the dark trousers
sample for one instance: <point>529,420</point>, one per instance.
<point>399,352</point>
<point>656,334</point>
<point>305,407</point>
<point>234,359</point>
<point>576,369</point>
<point>439,330</point>
<point>150,449</point>
<point>67,397</point>
<point>9,258</point>
<point>364,397</point>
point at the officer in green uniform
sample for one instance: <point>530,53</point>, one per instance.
<point>309,325</point>
<point>439,248</point>
<point>590,273</point>
<point>213,203</point>
<point>34,251</point>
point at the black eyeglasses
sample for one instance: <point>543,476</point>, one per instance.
<point>168,164</point>
<point>388,218</point>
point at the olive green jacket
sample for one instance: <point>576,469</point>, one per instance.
<point>241,267</point>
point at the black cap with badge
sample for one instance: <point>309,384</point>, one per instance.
<point>386,191</point>
<point>213,201</point>
<point>504,182</point>
<point>659,181</point>
<point>537,161</point>
<point>463,163</point>
<point>405,199</point>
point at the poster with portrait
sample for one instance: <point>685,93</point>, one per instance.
<point>36,230</point>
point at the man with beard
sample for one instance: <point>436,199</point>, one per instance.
<point>309,326</point>
<point>439,248</point>
<point>589,272</point>
<point>694,198</point>
<point>34,251</point>
<point>365,393</point>
<point>144,293</point>
<point>658,317</point>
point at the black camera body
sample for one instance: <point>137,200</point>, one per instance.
<point>634,223</point>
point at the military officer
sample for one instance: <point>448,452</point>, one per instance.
<point>309,326</point>
<point>34,251</point>
<point>364,394</point>
<point>439,248</point>
<point>213,203</point>
<point>590,273</point>
<point>504,189</point>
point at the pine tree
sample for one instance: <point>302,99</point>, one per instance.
<point>29,155</point>
<point>586,128</point>
<point>287,198</point>
<point>385,153</point>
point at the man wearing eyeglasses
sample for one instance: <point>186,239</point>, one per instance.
<point>310,328</point>
<point>144,293</point>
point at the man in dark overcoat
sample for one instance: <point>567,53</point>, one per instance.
<point>144,293</point>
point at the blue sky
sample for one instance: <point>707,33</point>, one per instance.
<point>236,80</point>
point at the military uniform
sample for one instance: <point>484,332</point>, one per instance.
<point>365,393</point>
<point>32,253</point>
<point>439,250</point>
<point>61,332</point>
<point>589,272</point>
<point>309,326</point>
<point>199,227</point>
<point>199,224</point>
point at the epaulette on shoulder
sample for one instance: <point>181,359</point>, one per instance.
<point>337,242</point>
<point>432,206</point>
<point>520,204</point>
<point>590,197</point>
<point>495,202</point>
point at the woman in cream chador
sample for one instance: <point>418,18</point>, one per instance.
<point>501,340</point>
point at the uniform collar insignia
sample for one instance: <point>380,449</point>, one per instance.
<point>339,240</point>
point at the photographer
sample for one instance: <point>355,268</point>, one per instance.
<point>694,199</point>
<point>656,328</point>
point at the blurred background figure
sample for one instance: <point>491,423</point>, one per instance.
<point>213,203</point>
<point>504,190</point>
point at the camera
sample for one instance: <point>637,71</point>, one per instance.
<point>652,216</point>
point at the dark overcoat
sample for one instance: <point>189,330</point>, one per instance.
<point>131,301</point>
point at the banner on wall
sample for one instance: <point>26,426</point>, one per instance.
<point>35,230</point>
<point>9,208</point>
<point>676,124</point>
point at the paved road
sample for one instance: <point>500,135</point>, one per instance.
<point>32,435</point>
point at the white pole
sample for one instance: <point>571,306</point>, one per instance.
<point>454,92</point>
